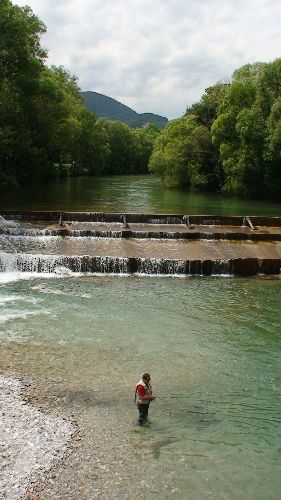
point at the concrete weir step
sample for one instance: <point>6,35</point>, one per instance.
<point>139,243</point>
<point>209,220</point>
<point>138,265</point>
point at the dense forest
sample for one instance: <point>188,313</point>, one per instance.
<point>45,127</point>
<point>229,141</point>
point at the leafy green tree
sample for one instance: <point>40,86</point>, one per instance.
<point>121,144</point>
<point>206,110</point>
<point>238,133</point>
<point>143,141</point>
<point>272,152</point>
<point>91,148</point>
<point>246,131</point>
<point>21,52</point>
<point>127,150</point>
<point>183,155</point>
<point>21,61</point>
<point>43,120</point>
<point>168,160</point>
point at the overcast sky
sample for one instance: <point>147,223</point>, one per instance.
<point>157,55</point>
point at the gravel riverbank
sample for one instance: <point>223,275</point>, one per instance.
<point>31,441</point>
<point>90,454</point>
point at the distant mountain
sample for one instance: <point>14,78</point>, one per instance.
<point>106,107</point>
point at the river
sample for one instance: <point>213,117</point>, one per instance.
<point>211,344</point>
<point>137,194</point>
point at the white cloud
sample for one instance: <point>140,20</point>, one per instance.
<point>157,55</point>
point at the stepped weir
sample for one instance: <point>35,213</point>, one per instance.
<point>91,242</point>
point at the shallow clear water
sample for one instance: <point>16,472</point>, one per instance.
<point>137,194</point>
<point>212,346</point>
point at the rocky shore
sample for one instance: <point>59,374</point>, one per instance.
<point>49,454</point>
<point>32,442</point>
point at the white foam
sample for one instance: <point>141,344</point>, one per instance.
<point>43,289</point>
<point>5,222</point>
<point>13,315</point>
<point>17,298</point>
<point>9,277</point>
<point>11,298</point>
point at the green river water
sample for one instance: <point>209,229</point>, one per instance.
<point>137,194</point>
<point>212,346</point>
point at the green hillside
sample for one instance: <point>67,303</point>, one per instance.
<point>109,108</point>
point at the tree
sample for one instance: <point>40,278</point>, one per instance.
<point>43,120</point>
<point>143,139</point>
<point>21,61</point>
<point>128,150</point>
<point>91,148</point>
<point>183,155</point>
<point>206,110</point>
<point>246,131</point>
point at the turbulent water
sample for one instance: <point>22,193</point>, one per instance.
<point>213,348</point>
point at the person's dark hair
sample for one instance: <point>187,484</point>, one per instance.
<point>146,375</point>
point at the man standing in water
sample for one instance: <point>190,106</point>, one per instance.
<point>143,396</point>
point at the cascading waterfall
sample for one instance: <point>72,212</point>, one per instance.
<point>132,244</point>
<point>131,265</point>
<point>54,263</point>
<point>136,233</point>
